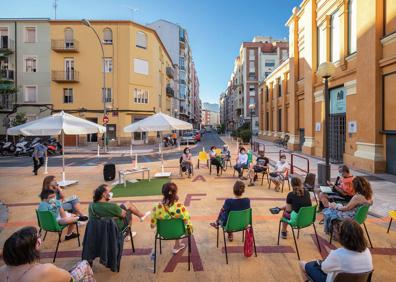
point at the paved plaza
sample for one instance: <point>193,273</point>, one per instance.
<point>203,195</point>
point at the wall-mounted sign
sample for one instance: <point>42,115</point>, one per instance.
<point>338,100</point>
<point>317,126</point>
<point>352,126</point>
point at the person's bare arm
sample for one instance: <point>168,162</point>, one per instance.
<point>352,204</point>
<point>52,273</point>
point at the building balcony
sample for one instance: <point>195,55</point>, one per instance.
<point>169,91</point>
<point>170,72</point>
<point>64,46</point>
<point>6,46</point>
<point>7,75</point>
<point>6,101</point>
<point>65,76</point>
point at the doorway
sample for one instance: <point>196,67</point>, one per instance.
<point>302,137</point>
<point>390,154</point>
<point>69,69</point>
<point>92,138</point>
<point>337,138</point>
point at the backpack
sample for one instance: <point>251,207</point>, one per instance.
<point>248,246</point>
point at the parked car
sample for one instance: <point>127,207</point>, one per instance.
<point>188,138</point>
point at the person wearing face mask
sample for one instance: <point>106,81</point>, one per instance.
<point>342,189</point>
<point>50,203</point>
<point>279,174</point>
<point>241,163</point>
<point>102,207</point>
<point>21,255</point>
<point>70,204</point>
<point>186,162</point>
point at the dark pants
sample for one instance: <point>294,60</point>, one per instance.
<point>37,164</point>
<point>128,217</point>
<point>239,167</point>
<point>217,163</point>
<point>314,271</point>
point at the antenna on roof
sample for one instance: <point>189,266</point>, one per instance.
<point>132,10</point>
<point>55,6</point>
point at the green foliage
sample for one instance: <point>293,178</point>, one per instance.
<point>20,118</point>
<point>243,132</point>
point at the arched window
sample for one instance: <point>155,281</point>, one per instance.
<point>69,41</point>
<point>107,36</point>
<point>141,40</point>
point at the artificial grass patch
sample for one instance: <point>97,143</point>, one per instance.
<point>140,188</point>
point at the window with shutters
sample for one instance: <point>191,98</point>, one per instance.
<point>108,65</point>
<point>107,36</point>
<point>352,32</point>
<point>141,66</point>
<point>30,35</point>
<point>107,95</point>
<point>335,37</point>
<point>67,95</point>
<point>141,96</point>
<point>30,94</point>
<point>141,40</point>
<point>30,63</point>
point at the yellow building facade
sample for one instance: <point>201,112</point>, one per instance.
<point>359,37</point>
<point>138,75</point>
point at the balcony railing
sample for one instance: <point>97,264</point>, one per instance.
<point>170,72</point>
<point>6,45</point>
<point>6,102</point>
<point>169,91</point>
<point>64,45</point>
<point>65,76</point>
<point>6,75</point>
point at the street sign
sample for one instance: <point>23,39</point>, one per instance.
<point>105,120</point>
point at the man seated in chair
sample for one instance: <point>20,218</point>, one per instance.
<point>260,167</point>
<point>50,203</point>
<point>102,207</point>
<point>225,153</point>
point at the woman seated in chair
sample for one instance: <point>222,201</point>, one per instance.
<point>241,162</point>
<point>170,208</point>
<point>21,255</point>
<point>186,161</point>
<point>295,200</point>
<point>336,211</point>
<point>238,203</point>
<point>50,203</point>
<point>279,173</point>
<point>260,167</point>
<point>352,257</point>
<point>216,159</point>
<point>70,204</point>
<point>225,153</point>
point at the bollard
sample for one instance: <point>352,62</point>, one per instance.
<point>203,149</point>
<point>46,165</point>
<point>98,154</point>
<point>130,151</point>
<point>136,161</point>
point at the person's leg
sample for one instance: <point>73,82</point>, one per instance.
<point>313,270</point>
<point>324,199</point>
<point>35,165</point>
<point>76,207</point>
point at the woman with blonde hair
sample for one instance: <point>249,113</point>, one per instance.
<point>295,200</point>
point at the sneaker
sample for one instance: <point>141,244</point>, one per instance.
<point>251,184</point>
<point>71,236</point>
<point>83,218</point>
<point>284,234</point>
<point>214,225</point>
<point>144,216</point>
<point>275,210</point>
<point>175,251</point>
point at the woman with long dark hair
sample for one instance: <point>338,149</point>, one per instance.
<point>21,255</point>
<point>186,161</point>
<point>170,208</point>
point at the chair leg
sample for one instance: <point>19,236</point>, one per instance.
<point>295,243</point>
<point>210,169</point>
<point>160,245</point>
<point>283,184</point>
<point>217,244</point>
<point>189,252</point>
<point>225,246</point>
<point>78,233</point>
<point>269,185</point>
<point>57,245</point>
<point>243,235</point>
<point>254,242</point>
<point>45,235</point>
<point>298,233</point>
<point>262,180</point>
<point>317,238</point>
<point>280,222</point>
<point>268,180</point>
<point>390,223</point>
<point>198,165</point>
<point>155,252</point>
<point>368,236</point>
<point>133,245</point>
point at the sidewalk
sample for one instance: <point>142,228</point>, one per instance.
<point>384,185</point>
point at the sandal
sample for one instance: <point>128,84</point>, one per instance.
<point>175,251</point>
<point>214,225</point>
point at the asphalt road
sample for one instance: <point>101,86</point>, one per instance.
<point>207,140</point>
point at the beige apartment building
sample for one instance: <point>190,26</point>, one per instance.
<point>359,37</point>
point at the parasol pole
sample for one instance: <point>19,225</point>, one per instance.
<point>63,156</point>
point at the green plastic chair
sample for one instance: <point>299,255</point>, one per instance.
<point>171,229</point>
<point>238,221</point>
<point>47,222</point>
<point>305,217</point>
<point>360,217</point>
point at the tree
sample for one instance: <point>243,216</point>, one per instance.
<point>19,119</point>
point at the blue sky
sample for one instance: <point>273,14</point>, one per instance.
<point>216,27</point>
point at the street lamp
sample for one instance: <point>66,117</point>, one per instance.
<point>88,24</point>
<point>251,107</point>
<point>325,71</point>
